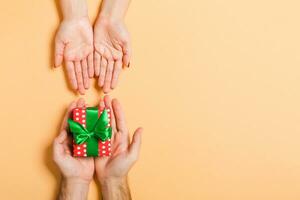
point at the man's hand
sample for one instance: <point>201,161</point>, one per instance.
<point>74,44</point>
<point>112,43</point>
<point>112,171</point>
<point>77,173</point>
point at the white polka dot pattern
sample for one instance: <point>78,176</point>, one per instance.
<point>79,150</point>
<point>103,147</point>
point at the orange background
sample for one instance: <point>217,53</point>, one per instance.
<point>215,84</point>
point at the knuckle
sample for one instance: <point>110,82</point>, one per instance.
<point>110,58</point>
<point>125,40</point>
<point>109,70</point>
<point>78,70</point>
<point>80,82</point>
<point>54,157</point>
<point>68,57</point>
<point>134,158</point>
<point>118,67</point>
<point>103,62</point>
<point>117,56</point>
<point>55,141</point>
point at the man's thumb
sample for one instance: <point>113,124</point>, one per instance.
<point>134,148</point>
<point>61,137</point>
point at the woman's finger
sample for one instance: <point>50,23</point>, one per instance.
<point>97,61</point>
<point>126,54</point>
<point>79,78</point>
<point>71,74</point>
<point>116,73</point>
<point>86,79</point>
<point>108,76</point>
<point>90,62</point>
<point>102,72</point>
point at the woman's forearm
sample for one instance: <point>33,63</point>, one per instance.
<point>74,9</point>
<point>114,9</point>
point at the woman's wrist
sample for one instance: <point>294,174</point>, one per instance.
<point>74,9</point>
<point>107,22</point>
<point>114,10</point>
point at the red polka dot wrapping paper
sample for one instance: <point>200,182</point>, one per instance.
<point>80,150</point>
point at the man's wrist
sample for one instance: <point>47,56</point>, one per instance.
<point>73,189</point>
<point>113,181</point>
<point>115,188</point>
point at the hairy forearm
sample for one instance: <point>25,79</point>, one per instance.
<point>115,189</point>
<point>73,190</point>
<point>74,9</point>
<point>114,9</point>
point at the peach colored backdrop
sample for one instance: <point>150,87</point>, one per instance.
<point>215,84</point>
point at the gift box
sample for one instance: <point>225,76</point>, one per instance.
<point>91,130</point>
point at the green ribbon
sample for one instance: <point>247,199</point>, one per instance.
<point>96,129</point>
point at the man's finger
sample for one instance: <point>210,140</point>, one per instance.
<point>64,124</point>
<point>119,116</point>
<point>107,103</point>
<point>80,103</point>
<point>58,146</point>
<point>61,137</point>
<point>135,146</point>
<point>71,74</point>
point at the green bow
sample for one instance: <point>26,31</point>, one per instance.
<point>97,129</point>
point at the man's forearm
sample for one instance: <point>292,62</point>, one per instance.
<point>73,190</point>
<point>74,9</point>
<point>114,9</point>
<point>115,190</point>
